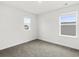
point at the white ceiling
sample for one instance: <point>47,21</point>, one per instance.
<point>39,7</point>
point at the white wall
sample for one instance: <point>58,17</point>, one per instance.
<point>12,27</point>
<point>49,27</point>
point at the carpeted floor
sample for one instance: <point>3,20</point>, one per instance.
<point>38,48</point>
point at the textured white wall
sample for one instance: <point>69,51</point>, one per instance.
<point>12,27</point>
<point>49,27</point>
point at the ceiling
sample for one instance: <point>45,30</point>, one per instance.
<point>38,7</point>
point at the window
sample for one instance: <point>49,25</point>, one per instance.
<point>67,24</point>
<point>27,23</point>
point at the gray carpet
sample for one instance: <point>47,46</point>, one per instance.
<point>38,48</point>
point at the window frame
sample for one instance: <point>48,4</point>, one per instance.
<point>64,14</point>
<point>29,24</point>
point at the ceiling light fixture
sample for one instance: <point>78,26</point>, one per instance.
<point>66,4</point>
